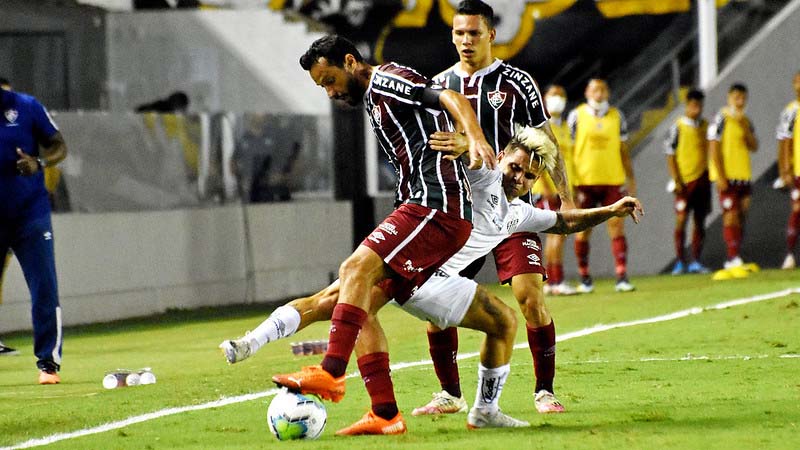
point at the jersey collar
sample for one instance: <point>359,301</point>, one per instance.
<point>486,70</point>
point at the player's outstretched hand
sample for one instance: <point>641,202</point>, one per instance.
<point>451,144</point>
<point>628,206</point>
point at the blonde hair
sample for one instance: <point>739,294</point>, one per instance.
<point>537,144</point>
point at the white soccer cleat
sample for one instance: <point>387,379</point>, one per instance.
<point>547,403</point>
<point>789,262</point>
<point>586,286</point>
<point>442,403</point>
<point>496,419</point>
<point>563,289</point>
<point>734,262</point>
<point>624,286</point>
<point>236,350</point>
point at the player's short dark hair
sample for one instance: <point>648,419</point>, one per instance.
<point>4,80</point>
<point>333,48</point>
<point>476,8</point>
<point>695,94</point>
<point>738,87</point>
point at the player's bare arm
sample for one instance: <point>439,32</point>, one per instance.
<point>559,172</point>
<point>627,165</point>
<point>54,150</point>
<point>750,139</point>
<point>672,165</point>
<point>575,220</point>
<point>480,152</point>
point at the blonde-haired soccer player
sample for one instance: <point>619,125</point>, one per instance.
<point>546,194</point>
<point>687,160</point>
<point>789,158</point>
<point>731,138</point>
<point>603,168</point>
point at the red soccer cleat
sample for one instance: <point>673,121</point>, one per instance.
<point>313,380</point>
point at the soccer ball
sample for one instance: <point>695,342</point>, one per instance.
<point>296,416</point>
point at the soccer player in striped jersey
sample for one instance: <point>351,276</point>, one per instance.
<point>502,95</point>
<point>687,160</point>
<point>432,221</point>
<point>731,138</point>
<point>602,169</point>
<point>788,135</point>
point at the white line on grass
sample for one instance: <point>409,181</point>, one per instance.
<point>248,397</point>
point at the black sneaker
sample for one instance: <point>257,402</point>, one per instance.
<point>7,351</point>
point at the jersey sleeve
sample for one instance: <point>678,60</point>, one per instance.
<point>572,122</point>
<point>785,128</point>
<point>43,124</point>
<point>623,127</point>
<point>716,127</point>
<point>533,103</point>
<point>671,142</point>
<point>531,219</point>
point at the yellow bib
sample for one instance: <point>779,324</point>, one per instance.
<point>561,131</point>
<point>735,156</point>
<point>597,153</point>
<point>691,155</point>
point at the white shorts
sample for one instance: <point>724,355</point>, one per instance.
<point>443,300</point>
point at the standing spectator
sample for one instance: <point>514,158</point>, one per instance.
<point>5,350</point>
<point>731,138</point>
<point>789,162</point>
<point>602,169</point>
<point>25,224</point>
<point>687,161</point>
<point>556,100</point>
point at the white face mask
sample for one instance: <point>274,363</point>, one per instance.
<point>555,103</point>
<point>598,106</point>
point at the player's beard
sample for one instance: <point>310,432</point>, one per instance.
<point>355,92</point>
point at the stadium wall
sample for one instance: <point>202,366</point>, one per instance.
<point>121,265</point>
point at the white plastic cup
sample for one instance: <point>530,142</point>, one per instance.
<point>147,378</point>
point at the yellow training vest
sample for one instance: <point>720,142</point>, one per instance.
<point>735,156</point>
<point>597,153</point>
<point>561,131</point>
<point>691,154</point>
<point>796,137</point>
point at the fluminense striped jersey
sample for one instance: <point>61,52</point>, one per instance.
<point>501,95</point>
<point>402,126</point>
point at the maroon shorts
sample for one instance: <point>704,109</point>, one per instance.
<point>549,203</point>
<point>519,253</point>
<point>415,241</point>
<point>695,196</point>
<point>731,198</point>
<point>594,196</point>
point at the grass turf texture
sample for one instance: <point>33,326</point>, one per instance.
<point>624,388</point>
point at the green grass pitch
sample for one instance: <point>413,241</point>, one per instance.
<point>721,379</point>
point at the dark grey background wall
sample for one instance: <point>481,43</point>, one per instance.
<point>55,52</point>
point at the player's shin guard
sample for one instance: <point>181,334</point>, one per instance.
<point>490,386</point>
<point>444,349</point>
<point>542,342</point>
<point>582,255</point>
<point>374,369</point>
<point>346,323</point>
<point>619,247</point>
<point>732,234</point>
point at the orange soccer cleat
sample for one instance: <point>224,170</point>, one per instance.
<point>49,377</point>
<point>313,380</point>
<point>372,424</point>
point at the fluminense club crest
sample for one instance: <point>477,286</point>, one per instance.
<point>376,114</point>
<point>11,115</point>
<point>496,98</point>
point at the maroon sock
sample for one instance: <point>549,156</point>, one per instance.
<point>443,346</point>
<point>346,322</point>
<point>791,230</point>
<point>582,254</point>
<point>619,247</point>
<point>557,273</point>
<point>374,369</point>
<point>680,242</point>
<point>698,239</point>
<point>732,234</point>
<point>542,342</point>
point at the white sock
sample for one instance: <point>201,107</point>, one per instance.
<point>283,322</point>
<point>490,386</point>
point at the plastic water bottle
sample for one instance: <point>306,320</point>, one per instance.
<point>124,377</point>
